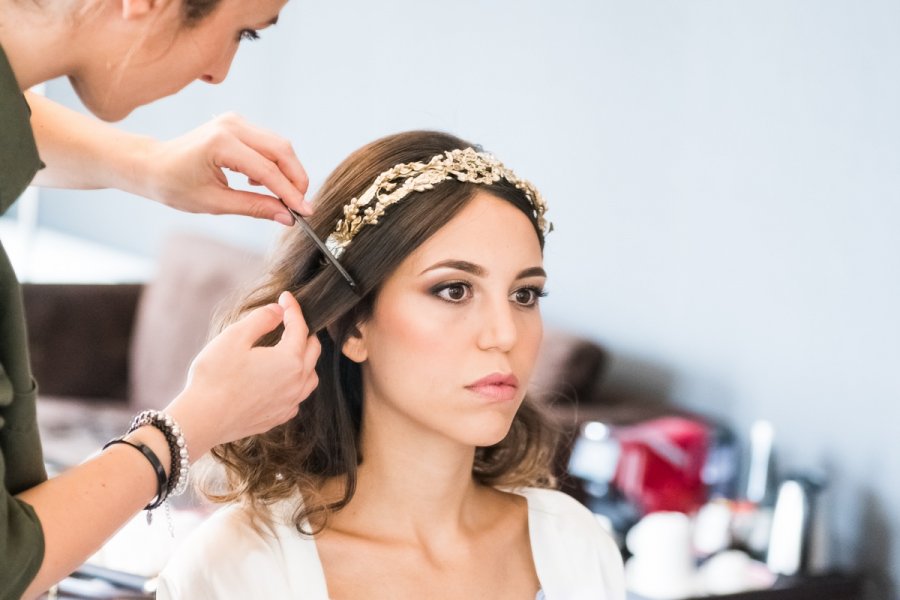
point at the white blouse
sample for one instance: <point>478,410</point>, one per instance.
<point>226,557</point>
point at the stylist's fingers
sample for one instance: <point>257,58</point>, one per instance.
<point>311,377</point>
<point>312,381</point>
<point>187,172</point>
<point>313,350</point>
<point>281,153</point>
<point>296,331</point>
<point>254,325</point>
<point>309,385</point>
<point>310,359</point>
<point>238,156</point>
<point>253,204</point>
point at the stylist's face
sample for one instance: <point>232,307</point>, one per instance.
<point>149,52</point>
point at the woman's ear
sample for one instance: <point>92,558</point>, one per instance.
<point>135,9</point>
<point>354,346</point>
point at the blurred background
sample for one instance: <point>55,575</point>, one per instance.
<point>723,176</point>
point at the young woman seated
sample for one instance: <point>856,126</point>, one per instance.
<point>418,468</point>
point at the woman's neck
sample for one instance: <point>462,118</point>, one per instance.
<point>40,44</point>
<point>412,483</point>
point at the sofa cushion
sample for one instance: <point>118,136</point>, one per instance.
<point>195,276</point>
<point>79,335</point>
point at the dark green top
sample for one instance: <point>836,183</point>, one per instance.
<point>21,459</point>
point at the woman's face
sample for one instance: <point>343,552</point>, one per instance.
<point>455,330</point>
<point>150,53</point>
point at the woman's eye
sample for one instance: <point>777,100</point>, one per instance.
<point>528,296</point>
<point>455,292</point>
<point>248,35</point>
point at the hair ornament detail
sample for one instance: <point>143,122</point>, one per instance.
<point>395,184</point>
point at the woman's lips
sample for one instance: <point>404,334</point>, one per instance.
<point>497,387</point>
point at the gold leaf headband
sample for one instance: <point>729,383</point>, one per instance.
<point>401,180</point>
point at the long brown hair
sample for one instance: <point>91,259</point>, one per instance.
<point>194,11</point>
<point>295,459</point>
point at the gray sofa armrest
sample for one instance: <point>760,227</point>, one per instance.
<point>79,337</point>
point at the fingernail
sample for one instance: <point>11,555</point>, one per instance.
<point>284,219</point>
<point>308,207</point>
<point>283,299</point>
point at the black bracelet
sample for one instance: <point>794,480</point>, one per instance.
<point>162,487</point>
<point>173,451</point>
<point>180,469</point>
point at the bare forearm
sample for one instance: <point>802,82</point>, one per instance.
<point>82,152</point>
<point>82,508</point>
<point>185,173</point>
<point>223,401</point>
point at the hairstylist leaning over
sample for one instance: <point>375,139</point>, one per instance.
<point>120,54</point>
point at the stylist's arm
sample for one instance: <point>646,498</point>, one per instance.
<point>118,55</point>
<point>235,390</point>
<point>185,173</point>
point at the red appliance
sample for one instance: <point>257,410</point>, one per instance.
<point>661,463</point>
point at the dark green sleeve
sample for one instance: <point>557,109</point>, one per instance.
<point>21,467</point>
<point>19,159</point>
<point>21,458</point>
<point>21,545</point>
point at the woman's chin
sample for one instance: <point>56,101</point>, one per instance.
<point>488,435</point>
<point>103,109</point>
<point>110,114</point>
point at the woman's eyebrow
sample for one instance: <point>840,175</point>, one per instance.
<point>532,272</point>
<point>459,265</point>
<point>268,23</point>
<point>479,271</point>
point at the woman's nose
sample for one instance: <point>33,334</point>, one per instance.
<point>498,326</point>
<point>218,70</point>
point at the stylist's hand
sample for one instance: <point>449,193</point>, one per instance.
<point>187,172</point>
<point>235,389</point>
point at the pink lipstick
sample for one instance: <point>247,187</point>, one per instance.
<point>496,387</point>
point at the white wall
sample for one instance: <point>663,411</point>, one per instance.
<point>724,178</point>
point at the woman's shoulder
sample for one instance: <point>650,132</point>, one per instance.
<point>558,516</point>
<point>237,552</point>
<point>210,557</point>
<point>229,530</point>
<point>561,511</point>
<point>553,502</point>
<point>575,556</point>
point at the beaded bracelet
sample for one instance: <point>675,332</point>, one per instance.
<point>161,483</point>
<point>179,471</point>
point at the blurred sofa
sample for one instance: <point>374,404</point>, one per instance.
<point>101,353</point>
